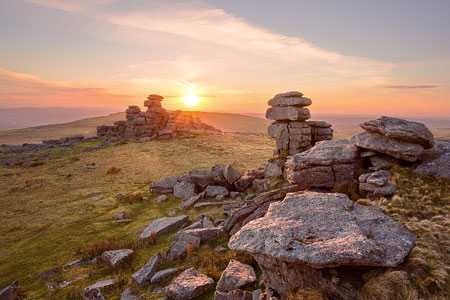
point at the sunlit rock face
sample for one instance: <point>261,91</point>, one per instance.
<point>303,237</point>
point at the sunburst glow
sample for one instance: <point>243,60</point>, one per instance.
<point>191,100</point>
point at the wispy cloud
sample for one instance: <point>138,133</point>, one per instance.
<point>18,89</point>
<point>405,87</point>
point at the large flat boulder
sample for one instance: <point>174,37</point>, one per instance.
<point>383,144</point>
<point>163,225</point>
<point>189,285</point>
<point>144,276</point>
<point>237,275</point>
<point>402,130</point>
<point>326,230</point>
<point>325,153</point>
<point>288,113</point>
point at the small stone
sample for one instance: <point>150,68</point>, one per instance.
<point>189,285</point>
<point>213,191</point>
<point>178,249</point>
<point>144,276</point>
<point>163,274</point>
<point>191,202</point>
<point>127,295</point>
<point>93,292</point>
<point>163,225</point>
<point>220,197</point>
<point>230,174</point>
<point>10,292</point>
<point>161,199</point>
<point>115,257</point>
<point>184,190</point>
<point>121,215</point>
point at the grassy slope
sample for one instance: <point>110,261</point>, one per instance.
<point>48,211</point>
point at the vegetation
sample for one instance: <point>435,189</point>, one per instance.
<point>48,218</point>
<point>422,204</point>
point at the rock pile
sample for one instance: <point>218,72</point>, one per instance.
<point>156,122</point>
<point>306,235</point>
<point>377,184</point>
<point>291,130</point>
<point>388,141</point>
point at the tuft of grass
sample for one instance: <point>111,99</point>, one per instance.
<point>390,285</point>
<point>113,170</point>
<point>96,248</point>
<point>131,198</point>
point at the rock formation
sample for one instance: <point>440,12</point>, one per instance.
<point>291,130</point>
<point>392,139</point>
<point>439,163</point>
<point>300,239</point>
<point>156,122</point>
<point>326,164</point>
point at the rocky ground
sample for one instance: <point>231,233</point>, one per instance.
<point>342,220</point>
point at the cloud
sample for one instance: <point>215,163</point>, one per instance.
<point>18,89</point>
<point>71,5</point>
<point>405,87</point>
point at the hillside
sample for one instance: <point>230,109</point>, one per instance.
<point>87,127</point>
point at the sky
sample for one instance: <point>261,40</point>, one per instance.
<point>350,57</point>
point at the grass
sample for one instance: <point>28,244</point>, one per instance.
<point>422,204</point>
<point>48,218</point>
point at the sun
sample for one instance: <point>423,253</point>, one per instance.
<point>191,100</point>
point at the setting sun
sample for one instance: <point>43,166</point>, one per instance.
<point>191,100</point>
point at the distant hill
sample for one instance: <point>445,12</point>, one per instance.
<point>22,117</point>
<point>344,126</point>
<point>87,127</point>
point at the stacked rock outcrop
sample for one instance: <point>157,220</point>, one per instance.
<point>389,141</point>
<point>155,122</point>
<point>291,130</point>
<point>322,241</point>
<point>326,164</point>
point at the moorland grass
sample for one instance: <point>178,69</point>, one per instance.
<point>53,214</point>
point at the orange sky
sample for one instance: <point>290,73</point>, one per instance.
<point>115,57</point>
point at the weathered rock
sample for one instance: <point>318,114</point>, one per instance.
<point>320,176</point>
<point>191,201</point>
<point>127,295</point>
<point>247,213</point>
<point>309,232</point>
<point>283,100</point>
<point>184,190</point>
<point>230,174</point>
<point>234,295</point>
<point>215,190</point>
<point>380,162</point>
<point>402,130</point>
<point>382,144</point>
<point>201,178</point>
<point>178,249</point>
<point>260,185</point>
<point>291,113</point>
<point>217,175</point>
<point>144,276</point>
<point>93,292</point>
<point>116,257</point>
<point>440,164</point>
<point>189,285</point>
<point>161,199</point>
<point>166,185</point>
<point>377,184</point>
<point>10,292</point>
<point>163,274</point>
<point>304,227</point>
<point>380,178</point>
<point>199,234</point>
<point>324,153</point>
<point>163,225</point>
<point>244,183</point>
<point>272,170</point>
<point>237,275</point>
<point>280,132</point>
